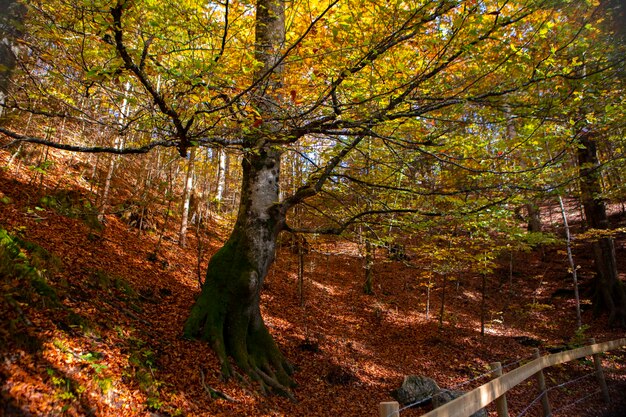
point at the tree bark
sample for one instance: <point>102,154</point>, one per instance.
<point>107,184</point>
<point>610,292</point>
<point>11,16</point>
<point>368,286</point>
<point>534,217</point>
<point>572,264</point>
<point>227,313</point>
<point>222,173</point>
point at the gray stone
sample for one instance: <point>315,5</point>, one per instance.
<point>415,389</point>
<point>445,396</point>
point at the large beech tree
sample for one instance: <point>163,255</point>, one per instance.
<point>410,84</point>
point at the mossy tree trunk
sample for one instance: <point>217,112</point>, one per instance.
<point>610,292</point>
<point>227,313</point>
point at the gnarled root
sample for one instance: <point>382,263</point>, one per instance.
<point>240,334</point>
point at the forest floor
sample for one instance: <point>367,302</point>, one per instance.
<point>91,320</point>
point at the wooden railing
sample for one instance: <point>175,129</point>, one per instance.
<point>495,390</point>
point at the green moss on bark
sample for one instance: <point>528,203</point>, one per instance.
<point>227,315</point>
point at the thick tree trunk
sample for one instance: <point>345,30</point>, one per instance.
<point>227,313</point>
<point>610,291</point>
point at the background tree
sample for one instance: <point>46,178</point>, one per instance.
<point>11,21</point>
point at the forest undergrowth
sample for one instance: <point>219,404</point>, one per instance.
<point>92,316</point>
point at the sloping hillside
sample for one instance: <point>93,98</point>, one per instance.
<point>91,318</point>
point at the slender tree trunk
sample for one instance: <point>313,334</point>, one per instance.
<point>104,201</point>
<point>368,287</point>
<point>443,300</point>
<point>182,236</point>
<point>199,248</point>
<point>610,291</point>
<point>301,247</point>
<point>222,172</point>
<point>483,300</point>
<point>572,264</point>
<point>119,143</point>
<point>429,286</point>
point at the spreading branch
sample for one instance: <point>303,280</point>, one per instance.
<point>17,138</point>
<point>316,181</point>
<point>164,107</point>
<point>342,226</point>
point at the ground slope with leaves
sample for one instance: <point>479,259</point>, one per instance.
<point>91,319</point>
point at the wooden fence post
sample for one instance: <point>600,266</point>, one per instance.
<point>541,380</point>
<point>389,409</point>
<point>600,374</point>
<point>501,405</point>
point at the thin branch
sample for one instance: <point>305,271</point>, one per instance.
<point>181,130</point>
<point>225,35</point>
<point>271,69</point>
<point>352,220</point>
<point>317,180</point>
<point>85,149</point>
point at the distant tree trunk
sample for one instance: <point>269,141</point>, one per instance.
<point>12,14</point>
<point>429,285</point>
<point>610,293</point>
<point>301,249</point>
<point>483,304</point>
<point>368,286</point>
<point>222,173</point>
<point>483,300</point>
<point>532,209</point>
<point>443,300</point>
<point>104,201</point>
<point>119,143</point>
<point>188,191</point>
<point>570,259</point>
<point>534,218</point>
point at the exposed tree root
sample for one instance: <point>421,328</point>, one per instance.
<point>227,314</point>
<point>236,331</point>
<point>213,393</point>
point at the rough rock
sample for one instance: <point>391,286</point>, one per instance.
<point>415,389</point>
